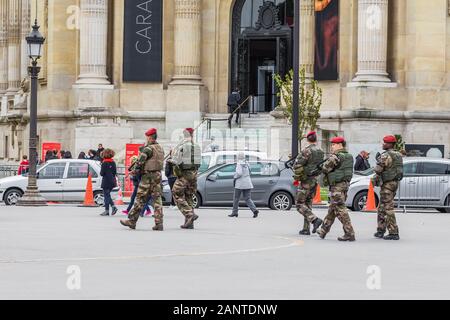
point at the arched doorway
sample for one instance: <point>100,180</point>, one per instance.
<point>262,42</point>
<point>261,46</point>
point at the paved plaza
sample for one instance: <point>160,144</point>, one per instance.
<point>224,258</point>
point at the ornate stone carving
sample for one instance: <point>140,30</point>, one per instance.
<point>268,16</point>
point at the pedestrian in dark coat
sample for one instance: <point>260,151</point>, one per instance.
<point>362,161</point>
<point>109,181</point>
<point>233,103</point>
<point>100,151</point>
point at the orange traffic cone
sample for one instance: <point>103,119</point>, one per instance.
<point>317,199</point>
<point>370,203</point>
<point>119,201</point>
<point>89,195</point>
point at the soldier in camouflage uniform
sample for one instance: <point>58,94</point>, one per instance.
<point>306,162</point>
<point>389,172</point>
<point>150,165</point>
<point>186,160</point>
<point>338,170</point>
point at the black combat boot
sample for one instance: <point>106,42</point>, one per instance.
<point>233,215</point>
<point>392,237</point>
<point>158,227</point>
<point>347,237</point>
<point>128,223</point>
<point>255,214</point>
<point>304,232</point>
<point>316,224</point>
<point>379,234</point>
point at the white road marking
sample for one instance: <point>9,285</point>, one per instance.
<point>293,243</point>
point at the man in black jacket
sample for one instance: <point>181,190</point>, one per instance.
<point>233,104</point>
<point>362,161</point>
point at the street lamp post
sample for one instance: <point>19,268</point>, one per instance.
<point>32,197</point>
<point>296,80</point>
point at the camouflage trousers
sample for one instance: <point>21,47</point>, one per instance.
<point>150,186</point>
<point>305,195</point>
<point>337,209</point>
<point>183,191</point>
<point>386,209</point>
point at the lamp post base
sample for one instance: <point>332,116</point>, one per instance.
<point>31,198</point>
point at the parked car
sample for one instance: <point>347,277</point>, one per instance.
<point>212,159</point>
<point>272,181</point>
<point>61,180</point>
<point>426,184</point>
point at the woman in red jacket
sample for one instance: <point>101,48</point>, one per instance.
<point>24,166</point>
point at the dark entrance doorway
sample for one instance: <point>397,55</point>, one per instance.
<point>263,65</point>
<point>262,38</point>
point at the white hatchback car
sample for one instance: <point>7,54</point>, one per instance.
<point>425,184</point>
<point>62,180</point>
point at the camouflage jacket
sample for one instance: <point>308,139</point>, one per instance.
<point>145,153</point>
<point>299,166</point>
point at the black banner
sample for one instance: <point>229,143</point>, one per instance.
<point>142,51</point>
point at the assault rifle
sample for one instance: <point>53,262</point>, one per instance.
<point>318,169</point>
<point>376,179</point>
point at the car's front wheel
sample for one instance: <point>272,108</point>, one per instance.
<point>447,205</point>
<point>360,200</point>
<point>99,198</point>
<point>281,201</point>
<point>12,196</point>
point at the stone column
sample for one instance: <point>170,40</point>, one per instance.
<point>372,42</point>
<point>93,42</point>
<point>3,46</point>
<point>188,36</point>
<point>186,94</point>
<point>25,31</point>
<point>307,37</point>
<point>13,46</point>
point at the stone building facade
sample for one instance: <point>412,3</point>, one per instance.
<point>392,61</point>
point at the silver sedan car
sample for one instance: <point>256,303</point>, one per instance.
<point>272,180</point>
<point>426,184</point>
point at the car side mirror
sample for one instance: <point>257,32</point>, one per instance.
<point>212,177</point>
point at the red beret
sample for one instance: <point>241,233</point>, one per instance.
<point>311,133</point>
<point>190,130</point>
<point>151,132</point>
<point>338,140</point>
<point>390,139</point>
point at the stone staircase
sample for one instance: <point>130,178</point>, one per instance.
<point>253,134</point>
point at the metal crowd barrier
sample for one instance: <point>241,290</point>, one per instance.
<point>424,192</point>
<point>8,170</point>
